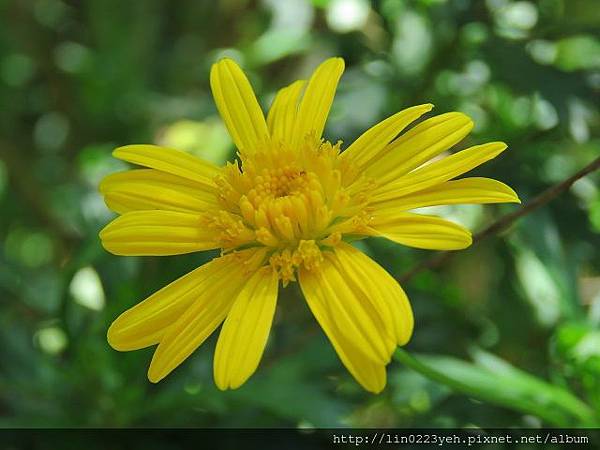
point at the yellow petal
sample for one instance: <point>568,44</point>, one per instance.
<point>368,372</point>
<point>238,106</point>
<point>169,160</point>
<point>316,101</point>
<point>140,233</point>
<point>465,191</point>
<point>209,309</point>
<point>149,189</point>
<point>283,112</point>
<point>370,145</point>
<point>244,334</point>
<point>353,311</point>
<point>381,290</point>
<point>146,323</point>
<point>420,231</point>
<point>439,171</point>
<point>362,316</point>
<point>420,144</point>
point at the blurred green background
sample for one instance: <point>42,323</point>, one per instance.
<point>507,331</point>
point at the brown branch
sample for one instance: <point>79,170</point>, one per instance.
<point>505,221</point>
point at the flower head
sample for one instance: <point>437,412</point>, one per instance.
<point>285,212</point>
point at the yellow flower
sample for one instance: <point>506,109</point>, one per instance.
<point>286,212</point>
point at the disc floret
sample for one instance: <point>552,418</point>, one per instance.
<point>291,202</point>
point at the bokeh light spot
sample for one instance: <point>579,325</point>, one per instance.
<point>86,289</point>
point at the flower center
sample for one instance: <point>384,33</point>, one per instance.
<point>285,205</point>
<point>291,202</point>
<point>280,182</point>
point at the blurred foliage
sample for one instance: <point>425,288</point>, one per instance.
<point>516,317</point>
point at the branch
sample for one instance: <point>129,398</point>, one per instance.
<point>505,221</point>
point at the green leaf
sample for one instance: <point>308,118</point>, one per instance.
<point>494,380</point>
<point>578,53</point>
